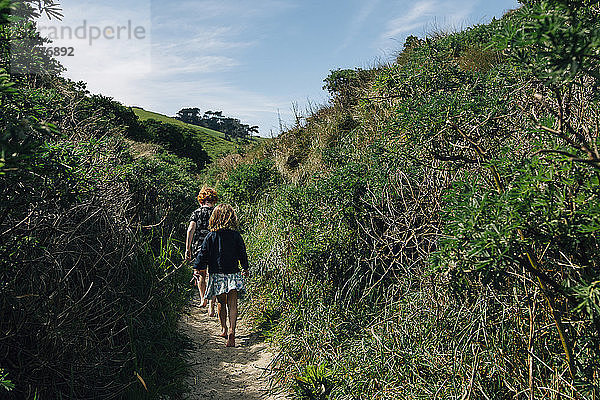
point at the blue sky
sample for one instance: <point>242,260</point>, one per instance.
<point>248,59</point>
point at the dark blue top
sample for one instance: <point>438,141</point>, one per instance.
<point>223,251</point>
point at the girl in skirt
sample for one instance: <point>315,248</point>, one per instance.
<point>224,251</point>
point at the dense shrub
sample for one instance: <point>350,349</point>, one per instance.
<point>91,285</point>
<point>247,181</point>
<point>79,285</point>
<point>444,243</point>
<point>343,84</point>
<point>178,140</point>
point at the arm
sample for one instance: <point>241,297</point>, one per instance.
<point>188,240</point>
<point>243,255</point>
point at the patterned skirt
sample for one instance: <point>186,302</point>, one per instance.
<point>224,283</point>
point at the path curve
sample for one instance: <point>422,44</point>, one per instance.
<point>223,373</point>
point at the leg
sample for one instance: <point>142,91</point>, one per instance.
<point>212,307</point>
<point>232,305</point>
<point>222,299</point>
<point>202,286</point>
<point>199,288</point>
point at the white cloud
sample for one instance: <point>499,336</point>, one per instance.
<point>358,21</point>
<point>216,40</point>
<point>423,15</point>
<point>210,9</point>
<point>411,19</point>
<point>195,58</point>
<point>166,65</point>
<point>107,38</point>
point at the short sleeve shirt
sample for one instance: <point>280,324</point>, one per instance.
<point>200,216</point>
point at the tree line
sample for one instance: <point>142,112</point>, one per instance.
<point>233,128</point>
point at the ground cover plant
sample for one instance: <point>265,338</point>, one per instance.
<point>433,232</point>
<point>91,289</point>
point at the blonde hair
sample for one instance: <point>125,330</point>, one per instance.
<point>222,217</point>
<point>207,195</point>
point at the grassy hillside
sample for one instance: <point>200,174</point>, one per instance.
<point>433,232</point>
<point>213,142</point>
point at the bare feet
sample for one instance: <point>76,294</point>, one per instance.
<point>224,334</point>
<point>204,303</point>
<point>230,340</point>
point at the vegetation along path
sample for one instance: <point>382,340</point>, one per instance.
<point>219,372</point>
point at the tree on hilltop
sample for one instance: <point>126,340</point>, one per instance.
<point>189,115</point>
<point>232,128</point>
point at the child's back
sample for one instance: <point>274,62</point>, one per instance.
<point>223,251</point>
<point>200,216</point>
<point>196,232</point>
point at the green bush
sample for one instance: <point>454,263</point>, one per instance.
<point>90,279</point>
<point>86,291</point>
<point>247,182</point>
<point>452,252</point>
<point>178,140</point>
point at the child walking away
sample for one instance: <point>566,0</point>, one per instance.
<point>224,251</point>
<point>197,231</point>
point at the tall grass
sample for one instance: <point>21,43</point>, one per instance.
<point>396,249</point>
<point>91,289</point>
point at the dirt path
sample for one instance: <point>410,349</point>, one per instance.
<point>221,373</point>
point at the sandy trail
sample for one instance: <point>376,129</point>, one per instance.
<point>221,373</point>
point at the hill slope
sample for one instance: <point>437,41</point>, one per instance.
<point>433,232</point>
<point>213,142</point>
